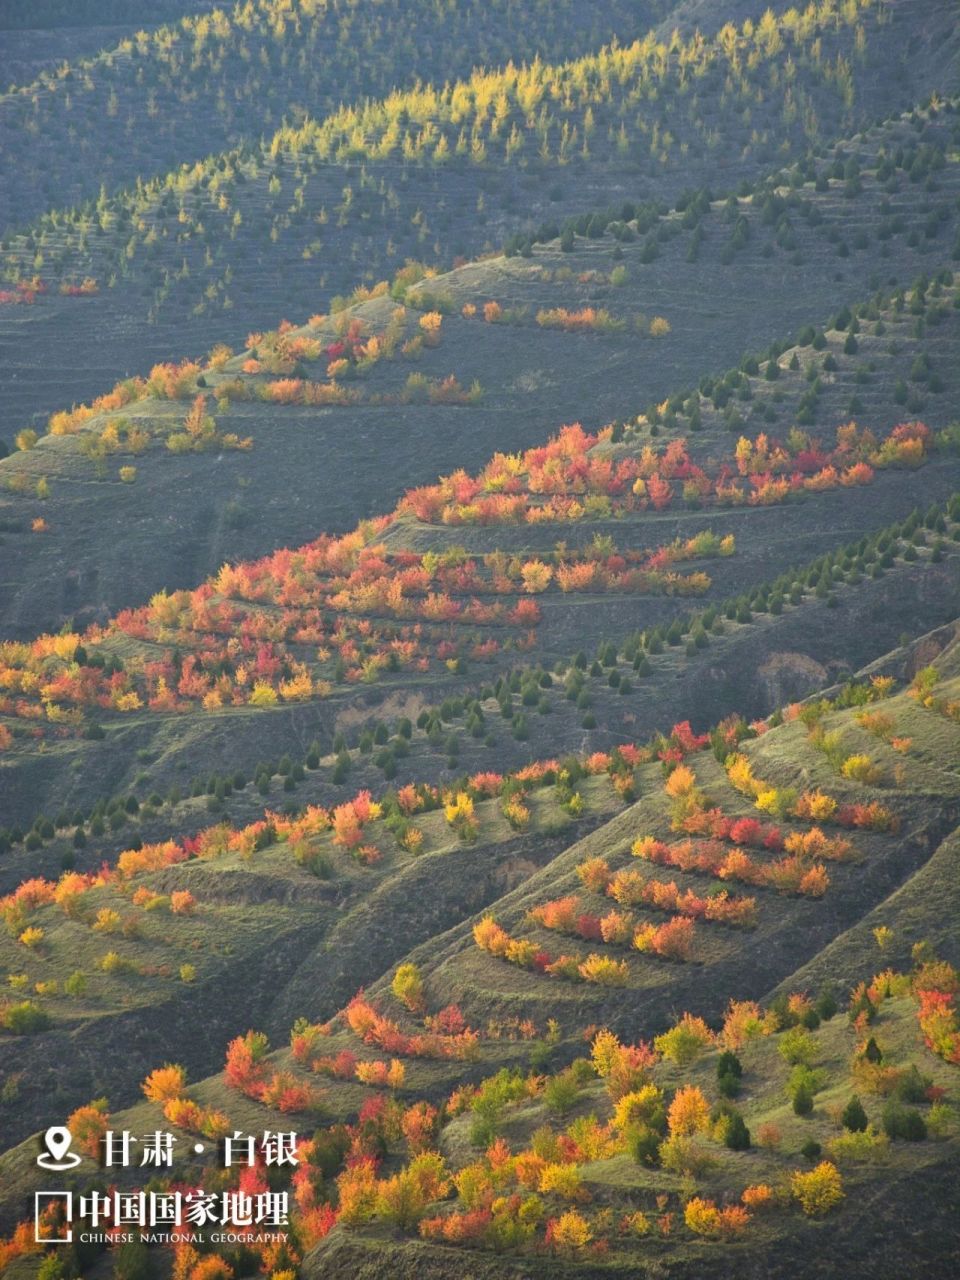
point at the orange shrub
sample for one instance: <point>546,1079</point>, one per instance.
<point>150,857</point>
<point>689,1112</point>
<point>488,935</point>
<point>758,1196</point>
<point>604,971</point>
<point>165,1082</point>
<point>768,1135</point>
<point>87,1126</point>
<point>674,940</point>
<point>560,914</point>
<point>681,782</point>
<point>595,874</point>
<point>184,1113</point>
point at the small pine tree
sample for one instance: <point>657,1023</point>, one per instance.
<point>872,1052</point>
<point>802,1101</point>
<point>826,1004</point>
<point>811,1150</point>
<point>854,1117</point>
<point>736,1135</point>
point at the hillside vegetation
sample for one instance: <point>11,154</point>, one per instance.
<point>479,643</point>
<point>437,171</point>
<point>243,69</point>
<point>819,817</point>
<point>595,312</point>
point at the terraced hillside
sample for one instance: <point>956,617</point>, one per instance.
<point>594,313</point>
<point>244,68</point>
<point>161,270</point>
<point>641,516</point>
<point>735,857</point>
<point>479,641</point>
<point>149,778</point>
<point>477,569</point>
<point>538,554</point>
<point>35,43</point>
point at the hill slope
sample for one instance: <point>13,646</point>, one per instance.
<point>830,866</point>
<point>433,174</point>
<point>714,272</point>
<point>176,93</point>
<point>499,725</point>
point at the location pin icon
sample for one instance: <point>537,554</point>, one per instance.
<point>57,1140</point>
